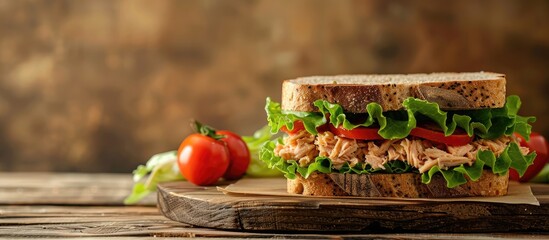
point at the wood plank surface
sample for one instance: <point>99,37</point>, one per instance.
<point>67,189</point>
<point>207,207</point>
<point>46,205</point>
<point>39,221</point>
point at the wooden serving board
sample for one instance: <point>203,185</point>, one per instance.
<point>207,207</point>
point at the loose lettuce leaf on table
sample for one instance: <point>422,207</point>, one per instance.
<point>159,168</point>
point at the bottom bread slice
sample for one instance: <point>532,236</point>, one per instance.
<point>404,185</point>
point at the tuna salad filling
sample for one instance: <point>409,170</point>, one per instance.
<point>420,154</point>
<point>422,138</point>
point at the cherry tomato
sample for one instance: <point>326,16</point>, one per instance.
<point>239,155</point>
<point>363,133</point>
<point>458,138</point>
<point>202,160</point>
<point>539,144</point>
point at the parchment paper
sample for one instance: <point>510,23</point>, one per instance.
<point>517,193</point>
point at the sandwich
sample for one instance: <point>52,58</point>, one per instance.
<point>432,135</point>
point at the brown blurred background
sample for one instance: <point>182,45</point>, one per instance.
<point>99,86</point>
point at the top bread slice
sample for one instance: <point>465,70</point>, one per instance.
<point>452,91</point>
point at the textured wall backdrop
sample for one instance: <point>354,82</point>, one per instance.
<point>101,85</point>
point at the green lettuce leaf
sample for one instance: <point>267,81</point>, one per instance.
<point>519,162</point>
<point>389,127</point>
<point>278,118</point>
<point>258,168</point>
<point>160,167</point>
<point>485,123</point>
<point>510,158</point>
<point>322,165</point>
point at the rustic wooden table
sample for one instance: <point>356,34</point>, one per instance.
<point>55,205</point>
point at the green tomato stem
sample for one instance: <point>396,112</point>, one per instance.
<point>205,130</point>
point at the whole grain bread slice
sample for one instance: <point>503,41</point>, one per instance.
<point>452,91</point>
<point>404,185</point>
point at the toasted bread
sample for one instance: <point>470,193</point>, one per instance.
<point>404,185</point>
<point>452,91</point>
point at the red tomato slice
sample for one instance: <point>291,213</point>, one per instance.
<point>458,138</point>
<point>298,126</point>
<point>539,144</point>
<point>362,133</point>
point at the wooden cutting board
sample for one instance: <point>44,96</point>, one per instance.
<point>207,207</point>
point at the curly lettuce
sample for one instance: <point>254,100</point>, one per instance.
<point>487,123</point>
<point>323,165</point>
<point>455,176</point>
<point>483,123</point>
<point>258,168</point>
<point>278,118</point>
<point>161,167</point>
<point>510,158</point>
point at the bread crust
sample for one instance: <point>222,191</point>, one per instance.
<point>452,91</point>
<point>405,185</point>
